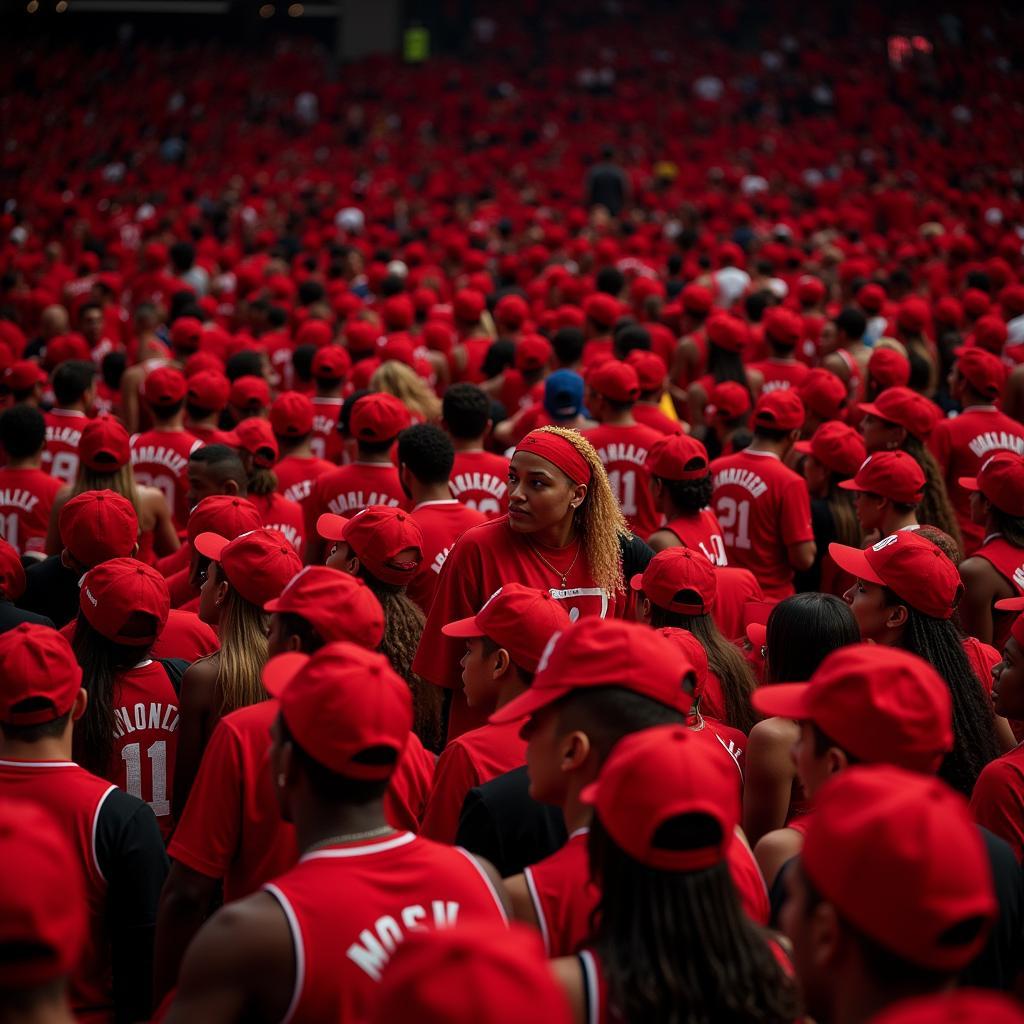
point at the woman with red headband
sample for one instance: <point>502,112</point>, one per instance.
<point>562,534</point>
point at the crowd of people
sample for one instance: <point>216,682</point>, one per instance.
<point>516,538</point>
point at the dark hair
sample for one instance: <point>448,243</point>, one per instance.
<point>755,304</point>
<point>22,431</point>
<point>71,380</point>
<point>310,639</point>
<point>632,338</point>
<point>724,365</point>
<point>223,463</point>
<point>852,323</point>
<point>935,508</point>
<point>771,434</point>
<point>489,647</point>
<point>112,369</point>
<point>52,729</point>
<point>802,631</point>
<point>845,525</point>
<point>689,496</point>
<point>567,344</point>
<point>676,945</point>
<point>609,280</point>
<point>501,354</point>
<point>163,413</point>
<point>302,361</point>
<point>466,411</point>
<point>1011,527</point>
<point>183,255</point>
<point>975,742</point>
<point>428,452</point>
<point>246,363</point>
<point>345,416</point>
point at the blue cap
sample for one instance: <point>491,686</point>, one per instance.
<point>563,394</point>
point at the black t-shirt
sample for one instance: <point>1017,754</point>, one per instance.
<point>11,616</point>
<point>51,590</point>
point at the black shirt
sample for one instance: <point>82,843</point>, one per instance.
<point>11,616</point>
<point>51,590</point>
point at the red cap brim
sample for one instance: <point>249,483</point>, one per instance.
<point>782,700</point>
<point>757,634</point>
<point>855,562</point>
<point>637,581</point>
<point>803,447</point>
<point>1011,604</point>
<point>280,671</point>
<point>851,485</point>
<point>465,628</point>
<point>211,545</point>
<point>331,527</point>
<point>870,409</point>
<point>527,703</point>
<point>968,483</point>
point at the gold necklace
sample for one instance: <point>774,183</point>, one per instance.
<point>350,837</point>
<point>558,572</point>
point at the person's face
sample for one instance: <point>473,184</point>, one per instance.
<point>979,508</point>
<point>539,494</point>
<point>816,476</point>
<point>867,602</point>
<point>279,640</point>
<point>198,568</point>
<point>340,557</point>
<point>829,338</point>
<point>802,924</point>
<point>1008,681</point>
<point>869,508</point>
<point>201,483</point>
<point>212,594</point>
<point>478,673</point>
<point>92,325</point>
<point>879,435</point>
<point>544,756</point>
<point>812,770</point>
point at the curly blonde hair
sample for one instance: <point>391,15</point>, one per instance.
<point>599,519</point>
<point>405,383</point>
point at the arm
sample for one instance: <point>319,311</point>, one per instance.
<point>196,707</point>
<point>165,536</point>
<point>54,545</point>
<point>569,975</point>
<point>801,556</point>
<point>130,384</point>
<point>979,592</point>
<point>773,850</point>
<point>768,783</point>
<point>835,363</point>
<point>499,886</point>
<point>519,899</point>
<point>185,902</point>
<point>662,539</point>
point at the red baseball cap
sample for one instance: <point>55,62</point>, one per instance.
<point>913,568</point>
<point>165,387</point>
<point>695,298</point>
<point>779,410</point>
<point>256,436</point>
<point>889,368</point>
<point>377,535</point>
<point>901,859</point>
<point>872,297</point>
<point>906,408</point>
<point>881,704</point>
<point>782,326</point>
<point>64,347</point>
<point>37,662</point>
<point>520,619</point>
<point>728,400</point>
<point>469,305</point>
<point>258,564</point>
<point>186,334</point>
<point>511,311</point>
<point>291,415</point>
<point>378,417</point>
<point>954,1006</point>
<point>23,374</point>
<point>604,652</point>
<point>112,592</point>
<point>837,446</point>
<point>104,445</point>
<point>336,605</point>
<point>1001,480</point>
<point>1010,604</point>
<point>208,389</point>
<point>42,892</point>
<point>340,703</point>
<point>223,514</point>
<point>990,334</point>
<point>727,332</point>
<point>893,475</point>
<point>474,974</point>
<point>314,332</point>
<point>249,392</point>
<point>694,652</point>
<point>96,526</point>
<point>614,380</point>
<point>678,457</point>
<point>12,573</point>
<point>823,393</point>
<point>603,309</point>
<point>984,371</point>
<point>679,580</point>
<point>332,362</point>
<point>650,369</point>
<point>533,352</point>
<point>658,774</point>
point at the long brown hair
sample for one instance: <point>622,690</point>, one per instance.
<point>243,653</point>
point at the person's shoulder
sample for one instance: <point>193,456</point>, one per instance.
<point>200,678</point>
<point>1001,774</point>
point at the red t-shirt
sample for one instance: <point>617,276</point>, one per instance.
<point>63,432</point>
<point>780,374</point>
<point>651,416</point>
<point>160,460</point>
<point>1008,561</point>
<point>703,533</point>
<point>278,513</point>
<point>442,523</point>
<point>349,489</point>
<point>998,799</point>
<point>763,507</point>
<point>324,441</point>
<point>26,498</point>
<point>623,452</point>
<point>473,758</point>
<point>736,587</point>
<point>185,636</point>
<point>210,435</point>
<point>297,475</point>
<point>480,480</point>
<point>961,445</point>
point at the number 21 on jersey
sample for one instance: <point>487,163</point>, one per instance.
<point>734,518</point>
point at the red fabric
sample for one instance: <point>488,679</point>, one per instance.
<point>623,452</point>
<point>325,442</point>
<point>1008,561</point>
<point>651,416</point>
<point>736,587</point>
<point>441,523</point>
<point>185,636</point>
<point>160,460</point>
<point>297,475</point>
<point>780,374</point>
<point>63,432</point>
<point>349,489</point>
<point>997,802</point>
<point>278,513</point>
<point>479,479</point>
<point>701,532</point>
<point>26,497</point>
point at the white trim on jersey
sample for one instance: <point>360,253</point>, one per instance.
<point>300,954</point>
<point>38,764</point>
<point>95,829</point>
<point>593,989</point>
<point>531,888</point>
<point>487,881</point>
<point>363,850</point>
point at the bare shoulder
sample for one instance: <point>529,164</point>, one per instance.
<point>662,539</point>
<point>773,732</point>
<point>199,681</point>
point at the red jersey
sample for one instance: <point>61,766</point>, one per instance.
<point>145,738</point>
<point>473,758</point>
<point>998,799</point>
<point>961,445</point>
<point>160,460</point>
<point>479,479</point>
<point>231,828</point>
<point>1008,561</point>
<point>210,435</point>
<point>74,797</point>
<point>324,441</point>
<point>442,523</point>
<point>26,498</point>
<point>780,374</point>
<point>63,432</point>
<point>651,416</point>
<point>297,474</point>
<point>701,532</point>
<point>349,489</point>
<point>349,906</point>
<point>185,636</point>
<point>278,513</point>
<point>623,452</point>
<point>763,507</point>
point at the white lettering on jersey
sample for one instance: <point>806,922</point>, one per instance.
<point>325,425</point>
<point>996,440</point>
<point>64,435</point>
<point>290,533</point>
<point>774,385</point>
<point>300,491</point>
<point>462,482</point>
<point>352,501</point>
<point>152,453</point>
<point>18,497</point>
<point>439,560</point>
<point>1018,578</point>
<point>376,943</point>
<point>159,716</point>
<point>618,451</point>
<point>745,478</point>
<point>569,595</point>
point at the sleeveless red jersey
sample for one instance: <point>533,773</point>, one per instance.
<point>231,827</point>
<point>324,441</point>
<point>26,498</point>
<point>701,532</point>
<point>297,475</point>
<point>479,479</point>
<point>780,374</point>
<point>278,513</point>
<point>441,523</point>
<point>623,452</point>
<point>74,797</point>
<point>349,906</point>
<point>160,460</point>
<point>1008,561</point>
<point>63,432</point>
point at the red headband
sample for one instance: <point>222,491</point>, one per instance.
<point>559,452</point>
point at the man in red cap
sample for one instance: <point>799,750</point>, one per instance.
<point>206,397</point>
<point>962,443</point>
<point>313,944</point>
<point>160,456</point>
<point>372,479</point>
<point>783,331</point>
<point>651,372</point>
<point>763,507</point>
<point>291,417</point>
<point>504,643</point>
<point>600,311</point>
<point>74,391</point>
<point>824,396</point>
<point>478,478</point>
<point>331,365</point>
<point>249,396</point>
<point>114,835</point>
<point>621,443</point>
<point>887,489</point>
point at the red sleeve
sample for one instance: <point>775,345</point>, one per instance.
<point>455,776</point>
<point>939,443</point>
<point>997,803</point>
<point>207,836</point>
<point>795,514</point>
<point>982,658</point>
<point>407,795</point>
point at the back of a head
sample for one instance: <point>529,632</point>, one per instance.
<point>222,463</point>
<point>466,411</point>
<point>852,323</point>
<point>22,431</point>
<point>803,630</point>
<point>246,363</point>
<point>71,380</point>
<point>427,452</point>
<point>567,344</point>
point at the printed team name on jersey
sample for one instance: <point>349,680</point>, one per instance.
<point>19,498</point>
<point>376,943</point>
<point>160,455</point>
<point>354,500</point>
<point>775,385</point>
<point>158,716</point>
<point>439,559</point>
<point>64,435</point>
<point>325,424</point>
<point>996,441</point>
<point>1018,578</point>
<point>619,451</point>
<point>290,533</point>
<point>745,478</point>
<point>300,491</point>
<point>462,482</point>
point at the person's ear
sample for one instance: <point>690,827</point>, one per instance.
<point>502,660</point>
<point>579,493</point>
<point>352,563</point>
<point>836,760</point>
<point>80,704</point>
<point>897,617</point>
<point>827,937</point>
<point>231,488</point>
<point>645,608</point>
<point>221,594</point>
<point>576,749</point>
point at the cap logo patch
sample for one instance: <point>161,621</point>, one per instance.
<point>546,655</point>
<point>89,594</point>
<point>893,538</point>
